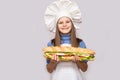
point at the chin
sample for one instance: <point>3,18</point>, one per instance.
<point>65,32</point>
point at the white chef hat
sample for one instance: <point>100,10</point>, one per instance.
<point>60,8</point>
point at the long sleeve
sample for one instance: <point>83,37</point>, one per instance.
<point>82,44</point>
<point>51,64</point>
<point>49,44</point>
<point>82,64</point>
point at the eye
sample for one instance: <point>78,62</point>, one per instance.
<point>68,21</point>
<point>60,22</point>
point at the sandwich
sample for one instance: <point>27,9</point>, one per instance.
<point>66,53</point>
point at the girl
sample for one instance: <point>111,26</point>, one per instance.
<point>63,17</point>
<point>65,36</point>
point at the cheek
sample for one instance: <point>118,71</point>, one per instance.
<point>59,26</point>
<point>70,26</point>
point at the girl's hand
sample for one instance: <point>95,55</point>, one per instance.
<point>56,58</point>
<point>76,58</point>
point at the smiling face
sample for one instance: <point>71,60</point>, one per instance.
<point>64,25</point>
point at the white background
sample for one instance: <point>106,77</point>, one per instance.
<point>23,34</point>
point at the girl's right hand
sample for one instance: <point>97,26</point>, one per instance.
<point>56,58</point>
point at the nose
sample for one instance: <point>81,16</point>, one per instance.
<point>64,24</point>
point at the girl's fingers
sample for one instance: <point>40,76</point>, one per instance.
<point>55,57</point>
<point>73,59</point>
<point>76,58</point>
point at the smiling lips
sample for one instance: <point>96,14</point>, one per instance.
<point>64,28</point>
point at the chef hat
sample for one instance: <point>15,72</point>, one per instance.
<point>60,8</point>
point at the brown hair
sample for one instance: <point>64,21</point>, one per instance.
<point>74,40</point>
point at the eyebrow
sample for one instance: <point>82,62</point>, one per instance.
<point>62,21</point>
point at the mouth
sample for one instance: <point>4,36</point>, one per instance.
<point>64,28</point>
